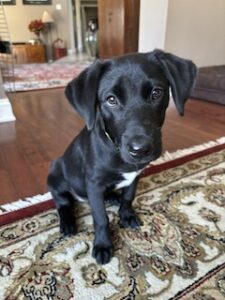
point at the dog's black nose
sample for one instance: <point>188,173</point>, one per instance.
<point>139,147</point>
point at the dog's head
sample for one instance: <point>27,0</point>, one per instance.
<point>130,95</point>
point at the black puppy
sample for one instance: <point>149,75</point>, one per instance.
<point>123,102</point>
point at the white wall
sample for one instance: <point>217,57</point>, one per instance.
<point>152,26</point>
<point>196,30</point>
<point>189,28</point>
<point>19,16</point>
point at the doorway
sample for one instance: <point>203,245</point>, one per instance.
<point>84,11</point>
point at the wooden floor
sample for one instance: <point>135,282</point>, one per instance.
<point>46,124</point>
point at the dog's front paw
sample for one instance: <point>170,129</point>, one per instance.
<point>128,218</point>
<point>68,227</point>
<point>102,253</point>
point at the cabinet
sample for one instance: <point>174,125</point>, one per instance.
<point>19,54</point>
<point>27,53</point>
<point>118,27</point>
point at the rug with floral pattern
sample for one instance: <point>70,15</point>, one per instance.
<point>28,77</point>
<point>178,252</point>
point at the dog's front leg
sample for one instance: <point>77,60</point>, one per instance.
<point>128,217</point>
<point>103,248</point>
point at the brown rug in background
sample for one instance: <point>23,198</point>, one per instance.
<point>178,253</point>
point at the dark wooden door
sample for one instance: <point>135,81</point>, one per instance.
<point>118,27</point>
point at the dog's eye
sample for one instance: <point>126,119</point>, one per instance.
<point>111,100</point>
<point>156,94</point>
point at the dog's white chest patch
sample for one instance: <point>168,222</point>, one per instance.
<point>128,179</point>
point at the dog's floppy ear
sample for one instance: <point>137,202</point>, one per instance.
<point>181,74</point>
<point>82,92</point>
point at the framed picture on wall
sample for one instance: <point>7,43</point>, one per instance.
<point>9,2</point>
<point>37,2</point>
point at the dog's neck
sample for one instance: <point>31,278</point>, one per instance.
<point>108,134</point>
<point>111,138</point>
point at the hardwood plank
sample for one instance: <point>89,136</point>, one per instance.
<point>18,168</point>
<point>41,171</point>
<point>8,191</point>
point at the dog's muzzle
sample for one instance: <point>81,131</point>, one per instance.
<point>139,147</point>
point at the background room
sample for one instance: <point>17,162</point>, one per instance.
<point>44,44</point>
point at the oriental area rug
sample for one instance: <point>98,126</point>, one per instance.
<point>178,252</point>
<point>28,77</point>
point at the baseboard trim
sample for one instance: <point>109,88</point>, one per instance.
<point>6,112</point>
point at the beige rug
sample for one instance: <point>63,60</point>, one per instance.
<point>178,253</point>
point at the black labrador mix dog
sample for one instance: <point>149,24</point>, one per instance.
<point>123,102</point>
